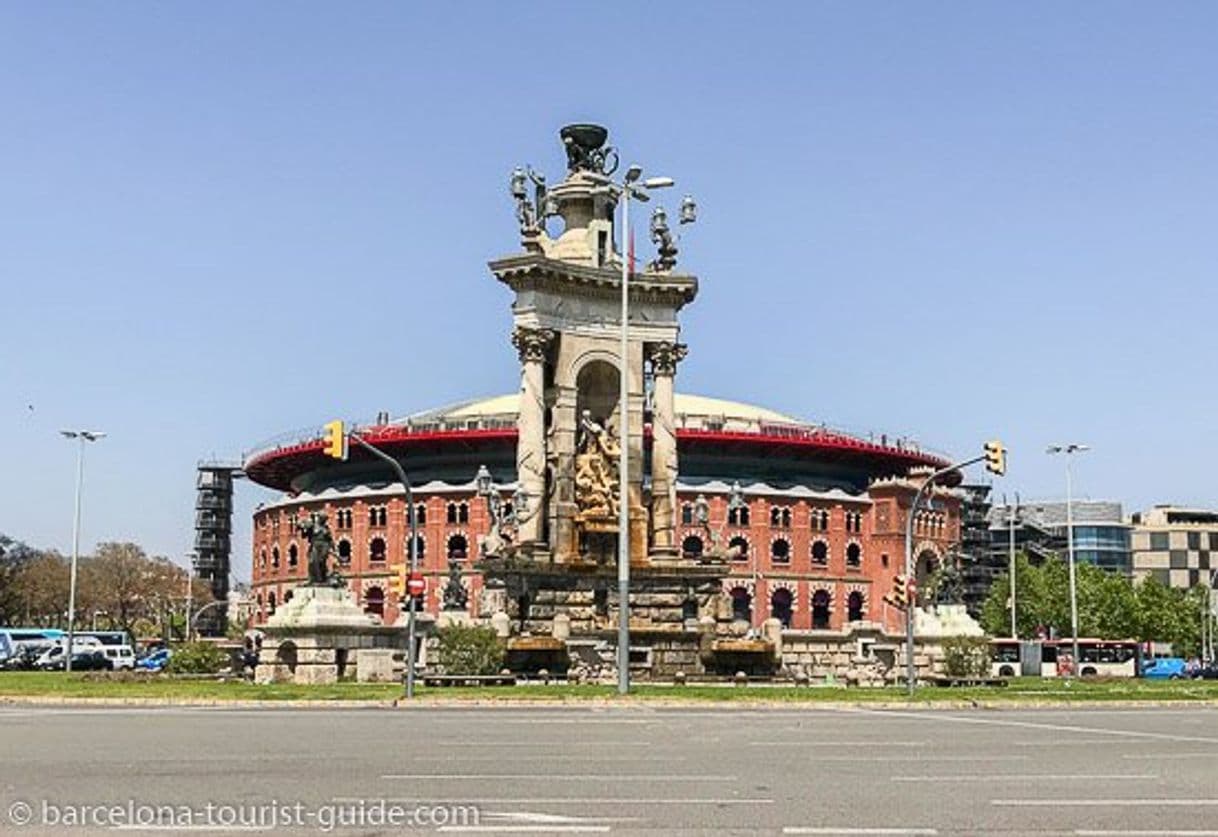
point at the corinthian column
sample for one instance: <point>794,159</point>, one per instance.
<point>532,344</point>
<point>664,358</point>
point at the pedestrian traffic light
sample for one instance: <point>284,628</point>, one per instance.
<point>335,437</point>
<point>995,457</point>
<point>397,581</point>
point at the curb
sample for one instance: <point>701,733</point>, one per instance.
<point>596,703</point>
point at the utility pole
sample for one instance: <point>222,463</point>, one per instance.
<point>1012,511</point>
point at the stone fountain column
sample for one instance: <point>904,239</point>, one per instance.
<point>664,359</point>
<point>533,345</point>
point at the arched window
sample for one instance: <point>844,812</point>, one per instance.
<point>691,547</point>
<point>820,609</point>
<point>382,516</point>
<point>820,553</point>
<point>824,520</point>
<point>287,597</point>
<point>458,548</point>
<point>420,548</point>
<point>742,605</point>
<point>687,514</point>
<point>854,556</point>
<point>270,604</point>
<point>374,601</point>
<point>780,551</point>
<point>463,513</point>
<point>274,557</point>
<point>293,555</point>
<point>344,551</point>
<point>452,513</point>
<point>738,516</point>
<point>376,549</point>
<point>780,606</point>
<point>775,515</point>
<point>786,519</point>
<point>420,515</point>
<point>739,547</point>
<point>262,559</point>
<point>854,607</point>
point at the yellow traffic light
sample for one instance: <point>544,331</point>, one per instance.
<point>900,593</point>
<point>397,581</point>
<point>335,437</point>
<point>995,457</point>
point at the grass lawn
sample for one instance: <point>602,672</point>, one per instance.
<point>57,685</point>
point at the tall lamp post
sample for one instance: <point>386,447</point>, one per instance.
<point>81,436</point>
<point>1068,451</point>
<point>631,187</point>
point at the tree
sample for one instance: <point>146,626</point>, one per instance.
<point>128,585</point>
<point>42,587</point>
<point>1110,606</point>
<point>14,556</point>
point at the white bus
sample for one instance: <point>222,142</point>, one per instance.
<point>1052,658</point>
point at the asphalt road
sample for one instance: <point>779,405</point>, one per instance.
<point>616,771</point>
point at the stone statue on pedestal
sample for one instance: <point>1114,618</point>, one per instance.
<point>321,546</point>
<point>455,596</point>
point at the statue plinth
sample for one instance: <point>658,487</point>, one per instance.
<point>319,637</point>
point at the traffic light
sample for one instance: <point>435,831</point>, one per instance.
<point>995,457</point>
<point>900,593</point>
<point>335,437</point>
<point>397,581</point>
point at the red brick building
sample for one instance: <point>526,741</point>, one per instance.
<point>820,538</point>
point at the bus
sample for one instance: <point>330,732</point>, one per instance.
<point>13,640</point>
<point>1053,658</point>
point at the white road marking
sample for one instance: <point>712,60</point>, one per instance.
<point>565,777</point>
<point>826,743</point>
<point>1158,756</point>
<point>799,829</point>
<point>1032,777</point>
<point>1102,803</point>
<point>921,758</point>
<point>1113,833</point>
<point>1125,733</point>
<point>534,816</point>
<point>572,800</point>
<point>524,829</point>
<point>651,758</point>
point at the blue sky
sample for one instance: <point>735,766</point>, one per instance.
<point>222,221</point>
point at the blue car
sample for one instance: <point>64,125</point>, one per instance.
<point>1164,668</point>
<point>155,660</point>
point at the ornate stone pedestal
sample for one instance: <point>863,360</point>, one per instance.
<point>319,637</point>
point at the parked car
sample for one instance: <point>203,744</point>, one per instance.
<point>154,660</point>
<point>1164,668</point>
<point>93,660</point>
<point>121,657</point>
<point>1206,672</point>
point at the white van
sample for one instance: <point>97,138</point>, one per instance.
<point>55,651</point>
<point>120,656</point>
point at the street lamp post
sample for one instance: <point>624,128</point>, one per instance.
<point>414,552</point>
<point>630,187</point>
<point>1012,511</point>
<point>1068,451</point>
<point>81,436</point>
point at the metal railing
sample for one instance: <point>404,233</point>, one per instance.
<point>429,423</point>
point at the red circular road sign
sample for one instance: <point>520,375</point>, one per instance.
<point>416,585</point>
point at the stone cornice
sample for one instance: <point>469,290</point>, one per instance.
<point>531,271</point>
